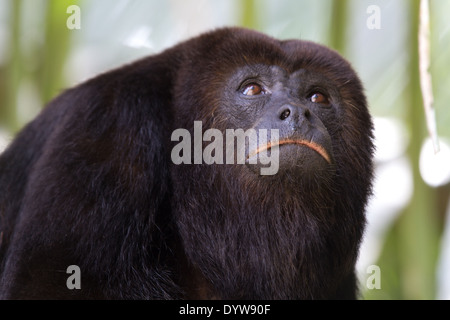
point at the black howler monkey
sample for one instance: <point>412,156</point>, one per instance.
<point>92,181</point>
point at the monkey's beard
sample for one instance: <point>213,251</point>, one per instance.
<point>256,240</point>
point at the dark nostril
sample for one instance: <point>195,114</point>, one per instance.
<point>307,113</point>
<point>285,114</point>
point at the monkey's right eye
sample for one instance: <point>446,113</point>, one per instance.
<point>252,89</point>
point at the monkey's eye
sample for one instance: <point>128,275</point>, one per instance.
<point>320,98</point>
<point>253,89</point>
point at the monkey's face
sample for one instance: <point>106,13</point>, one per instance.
<point>289,113</point>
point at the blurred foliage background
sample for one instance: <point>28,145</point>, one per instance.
<point>46,46</point>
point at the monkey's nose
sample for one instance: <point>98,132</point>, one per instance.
<point>288,110</point>
<point>285,114</point>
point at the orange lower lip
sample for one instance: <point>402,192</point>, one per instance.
<point>314,146</point>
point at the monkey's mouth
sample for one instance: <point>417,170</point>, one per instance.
<point>312,145</point>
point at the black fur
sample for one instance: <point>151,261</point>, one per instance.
<point>90,182</point>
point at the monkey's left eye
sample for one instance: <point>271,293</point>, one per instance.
<point>320,98</point>
<point>253,89</point>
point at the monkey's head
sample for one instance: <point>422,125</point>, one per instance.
<point>300,225</point>
<point>306,92</point>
